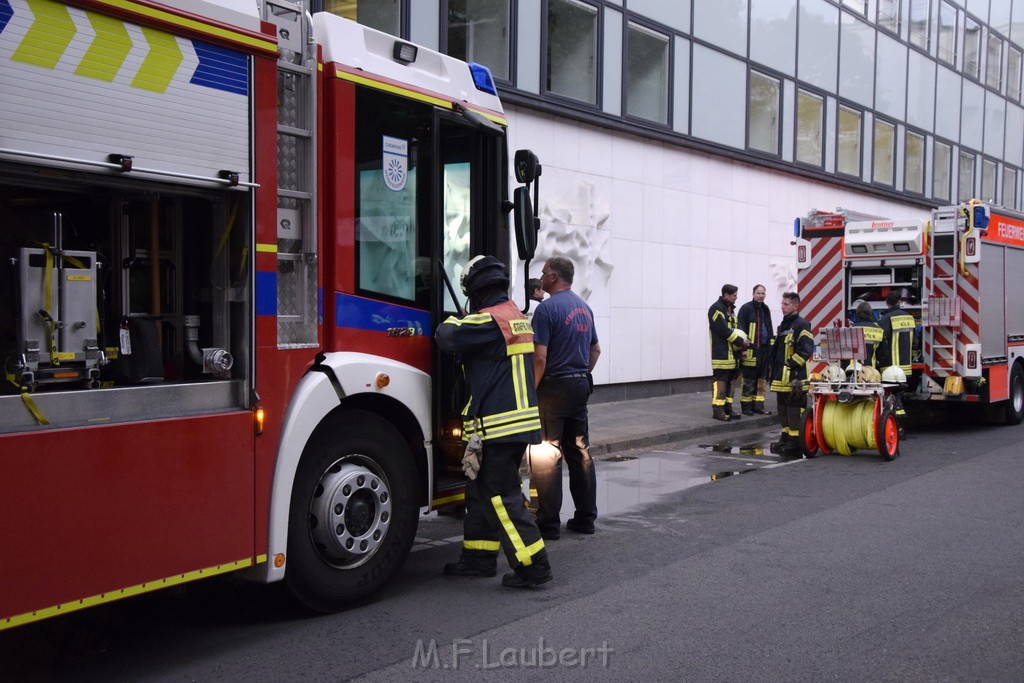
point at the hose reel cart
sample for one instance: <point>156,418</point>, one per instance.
<point>852,408</point>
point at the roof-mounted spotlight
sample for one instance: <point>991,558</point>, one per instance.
<point>404,52</point>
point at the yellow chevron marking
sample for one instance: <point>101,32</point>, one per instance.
<point>160,64</point>
<point>49,35</point>
<point>108,50</point>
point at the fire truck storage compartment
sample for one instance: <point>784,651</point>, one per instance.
<point>991,300</point>
<point>87,262</point>
<point>1015,284</point>
<point>871,281</point>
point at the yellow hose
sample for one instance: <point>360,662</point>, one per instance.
<point>849,427</point>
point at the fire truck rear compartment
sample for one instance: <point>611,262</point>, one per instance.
<point>123,301</point>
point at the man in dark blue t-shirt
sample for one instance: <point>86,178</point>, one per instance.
<point>565,352</point>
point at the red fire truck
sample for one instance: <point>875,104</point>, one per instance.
<point>226,229</point>
<point>957,271</point>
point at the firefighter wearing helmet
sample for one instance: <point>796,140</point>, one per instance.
<point>494,343</point>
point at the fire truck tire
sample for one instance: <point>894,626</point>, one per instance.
<point>353,512</point>
<point>1015,406</point>
<point>808,437</point>
<point>887,435</point>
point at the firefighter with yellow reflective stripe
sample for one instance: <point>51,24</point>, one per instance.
<point>897,343</point>
<point>791,349</point>
<point>897,335</point>
<point>495,345</point>
<point>724,334</point>
<point>865,317</point>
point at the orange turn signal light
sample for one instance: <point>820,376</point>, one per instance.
<point>260,416</point>
<point>383,380</point>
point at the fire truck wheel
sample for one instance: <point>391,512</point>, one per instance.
<point>808,438</point>
<point>1015,406</point>
<point>353,512</point>
<point>887,435</point>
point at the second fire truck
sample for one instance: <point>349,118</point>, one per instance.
<point>960,273</point>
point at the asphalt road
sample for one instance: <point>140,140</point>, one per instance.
<point>837,568</point>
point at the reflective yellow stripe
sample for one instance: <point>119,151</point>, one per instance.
<point>519,383</point>
<point>493,546</point>
<point>799,360</point>
<point>519,428</point>
<point>437,502</point>
<point>130,591</point>
<point>414,95</point>
<point>523,554</point>
<point>48,37</point>
<point>266,248</point>
<point>471,319</point>
<point>517,349</point>
<point>107,51</point>
<point>806,333</point>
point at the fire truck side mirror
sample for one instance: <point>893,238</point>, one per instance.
<point>527,166</point>
<point>525,223</point>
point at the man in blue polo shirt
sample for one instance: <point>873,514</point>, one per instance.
<point>565,352</point>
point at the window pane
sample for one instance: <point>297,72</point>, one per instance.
<point>965,178</point>
<point>478,32</point>
<point>809,109</point>
<point>647,74</point>
<point>994,63</point>
<point>849,142</point>
<point>860,6</point>
<point>885,145</point>
<point>988,180</point>
<point>915,163</point>
<point>940,171</point>
<point>383,15</point>
<point>947,33</point>
<point>972,48</point>
<point>1013,63</point>
<point>889,15</point>
<point>1009,188</point>
<point>919,23</point>
<point>763,127</point>
<point>572,50</point>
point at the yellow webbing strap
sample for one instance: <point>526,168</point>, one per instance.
<point>29,403</point>
<point>48,303</point>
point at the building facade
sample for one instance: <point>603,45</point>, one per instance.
<point>681,138</point>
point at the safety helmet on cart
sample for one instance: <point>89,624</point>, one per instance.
<point>869,374</point>
<point>833,373</point>
<point>894,374</point>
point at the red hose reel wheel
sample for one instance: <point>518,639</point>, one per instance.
<point>819,436</point>
<point>887,435</point>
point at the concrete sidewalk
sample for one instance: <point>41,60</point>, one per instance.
<point>641,423</point>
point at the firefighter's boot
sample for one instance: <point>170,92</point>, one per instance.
<point>758,404</point>
<point>779,447</point>
<point>528,576</point>
<point>748,408</point>
<point>473,563</point>
<point>718,413</point>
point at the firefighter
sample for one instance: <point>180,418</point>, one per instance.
<point>895,348</point>
<point>756,320</point>
<point>722,328</point>
<point>865,317</point>
<point>495,345</point>
<point>897,336</point>
<point>791,349</point>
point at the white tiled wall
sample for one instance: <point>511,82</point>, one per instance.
<point>674,224</point>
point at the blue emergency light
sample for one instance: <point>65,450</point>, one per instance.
<point>979,216</point>
<point>482,78</point>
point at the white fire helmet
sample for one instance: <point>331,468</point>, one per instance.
<point>833,373</point>
<point>894,374</point>
<point>741,337</point>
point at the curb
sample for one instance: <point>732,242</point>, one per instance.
<point>664,436</point>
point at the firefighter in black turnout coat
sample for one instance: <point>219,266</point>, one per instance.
<point>791,349</point>
<point>495,345</point>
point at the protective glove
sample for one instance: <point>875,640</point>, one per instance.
<point>472,457</point>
